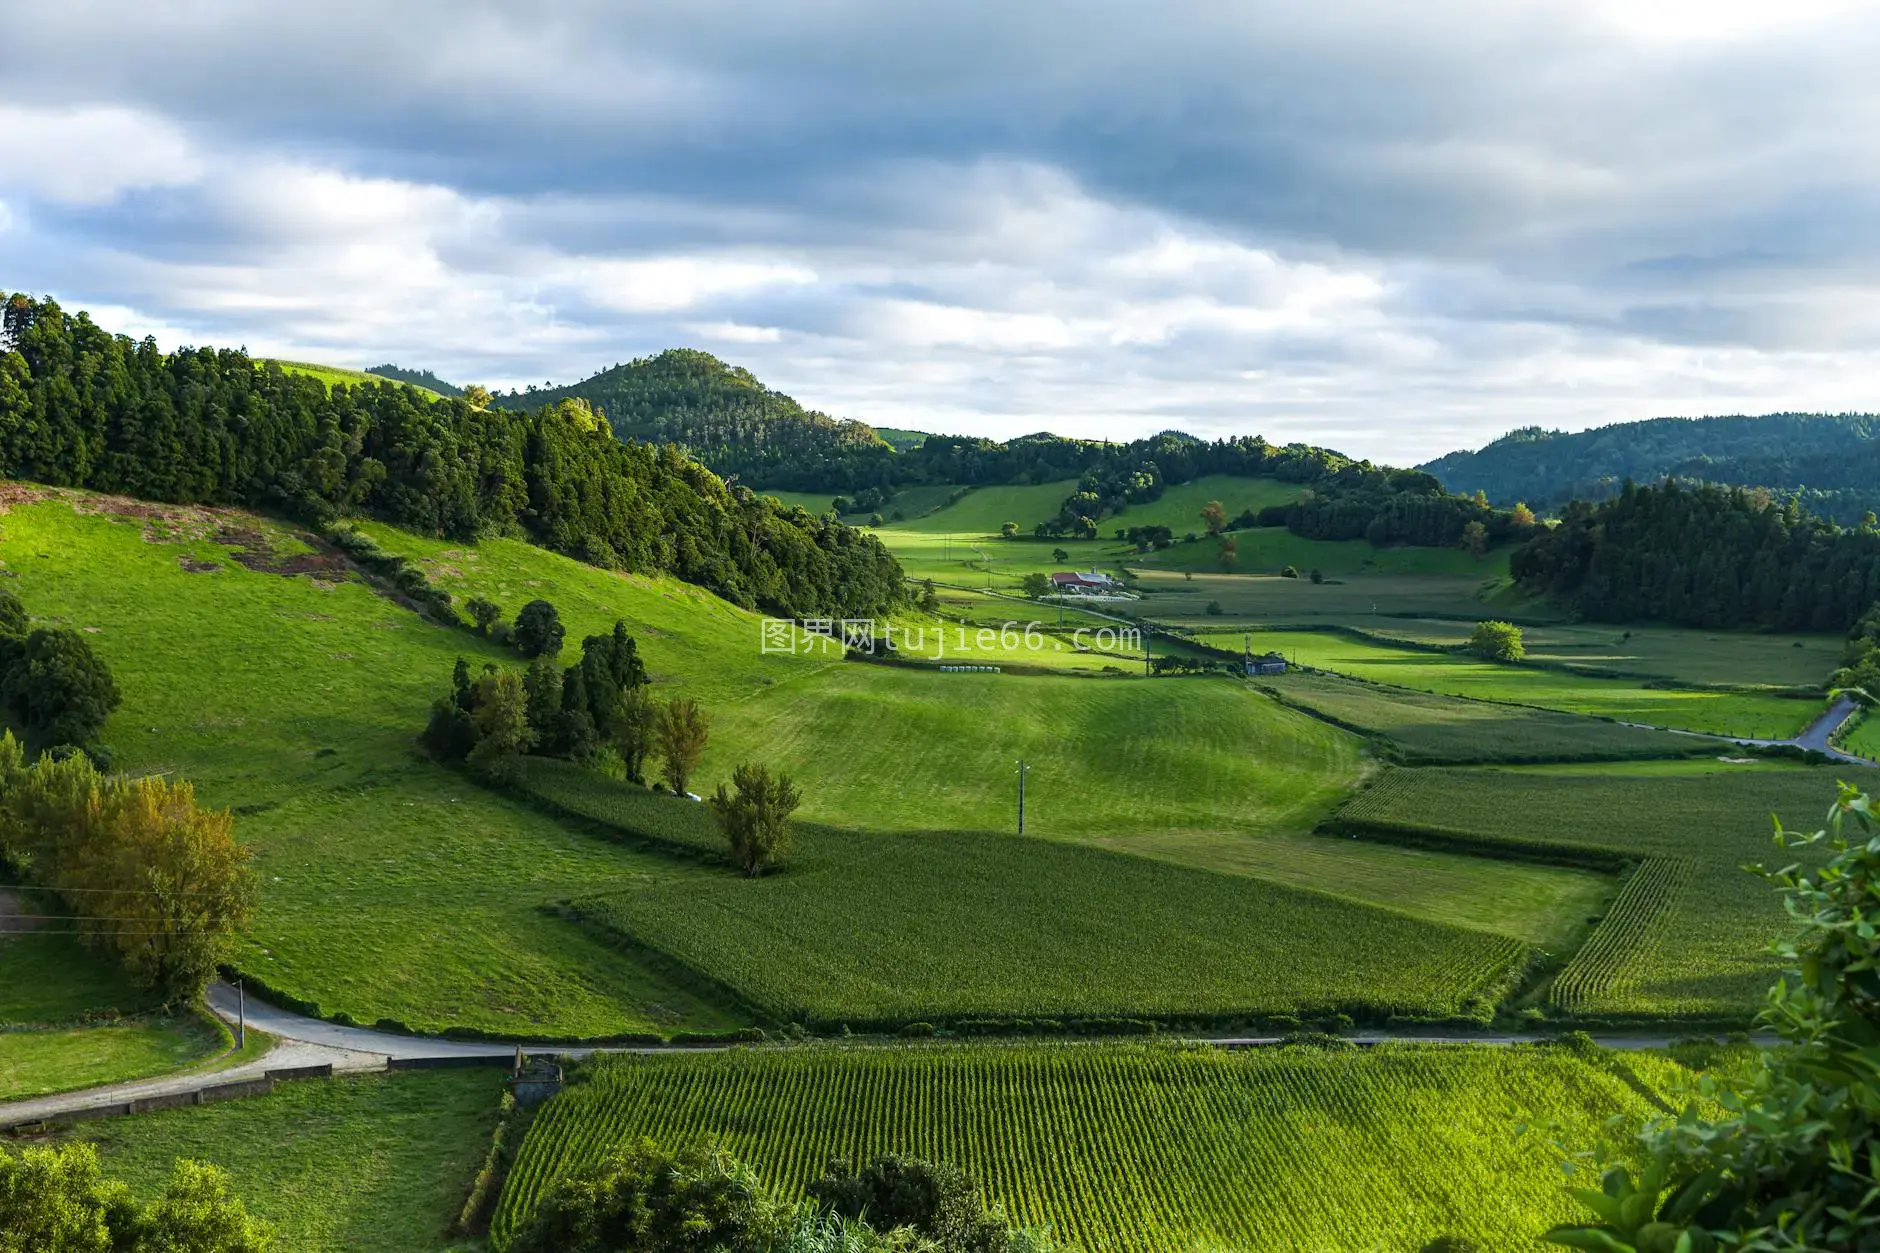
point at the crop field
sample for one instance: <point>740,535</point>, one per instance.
<point>391,888</point>
<point>1726,658</point>
<point>1420,728</point>
<point>867,930</point>
<point>1688,943</point>
<point>1127,1149</point>
<point>1749,714</point>
<point>375,1161</point>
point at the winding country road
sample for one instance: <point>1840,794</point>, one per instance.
<point>300,1041</point>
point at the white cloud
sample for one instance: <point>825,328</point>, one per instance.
<point>734,332</point>
<point>662,284</point>
<point>90,156</point>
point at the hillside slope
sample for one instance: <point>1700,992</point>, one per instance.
<point>723,416</point>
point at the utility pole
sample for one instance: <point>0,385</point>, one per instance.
<point>1022,768</point>
<point>241,1015</point>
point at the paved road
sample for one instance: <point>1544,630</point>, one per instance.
<point>1814,736</point>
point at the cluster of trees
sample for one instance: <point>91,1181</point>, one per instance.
<point>152,877</point>
<point>57,689</point>
<point>1705,556</point>
<point>1833,462</point>
<point>81,407</point>
<point>1790,1163</point>
<point>56,1199</point>
<point>1860,664</point>
<point>598,704</point>
<point>643,1199</point>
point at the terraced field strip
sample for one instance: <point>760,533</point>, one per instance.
<point>1620,948</point>
<point>1123,1149</point>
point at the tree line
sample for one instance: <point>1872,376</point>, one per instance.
<point>81,407</point>
<point>1704,556</point>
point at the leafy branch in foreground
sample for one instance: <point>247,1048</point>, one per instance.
<point>1794,1163</point>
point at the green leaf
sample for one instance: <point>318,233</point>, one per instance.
<point>1605,1206</point>
<point>1595,1239</point>
<point>1682,1205</point>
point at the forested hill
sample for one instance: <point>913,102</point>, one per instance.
<point>81,407</point>
<point>1831,461</point>
<point>417,378</point>
<point>723,416</point>
<point>1706,556</point>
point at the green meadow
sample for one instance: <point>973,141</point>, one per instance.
<point>333,374</point>
<point>373,1161</point>
<point>1749,714</point>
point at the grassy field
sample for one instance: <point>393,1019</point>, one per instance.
<point>1179,507</point>
<point>391,888</point>
<point>1727,658</point>
<point>1421,728</point>
<point>1267,599</point>
<point>380,1162</point>
<point>1695,931</point>
<point>1269,549</point>
<point>983,510</point>
<point>1750,714</point>
<point>69,1019</point>
<point>867,931</point>
<point>1145,1148</point>
<point>331,374</point>
<point>1864,739</point>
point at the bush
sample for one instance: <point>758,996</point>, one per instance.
<point>56,1200</point>
<point>59,688</point>
<point>1289,572</point>
<point>1214,609</point>
<point>644,1199</point>
<point>538,630</point>
<point>939,1201</point>
<point>1497,641</point>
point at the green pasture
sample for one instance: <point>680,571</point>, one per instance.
<point>1864,739</point>
<point>1179,507</point>
<point>1748,714</point>
<point>1683,655</point>
<point>1269,549</point>
<point>1422,728</point>
<point>878,931</point>
<point>332,374</point>
<point>983,510</point>
<point>376,1161</point>
<point>1127,1149</point>
<point>1267,599</point>
<point>1707,955</point>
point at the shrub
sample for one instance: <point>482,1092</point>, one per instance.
<point>939,1201</point>
<point>56,1200</point>
<point>650,1201</point>
<point>59,688</point>
<point>756,820</point>
<point>538,630</point>
<point>1214,609</point>
<point>1497,641</point>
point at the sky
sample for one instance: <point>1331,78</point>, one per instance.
<point>1387,228</point>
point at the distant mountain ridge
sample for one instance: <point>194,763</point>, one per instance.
<point>1830,461</point>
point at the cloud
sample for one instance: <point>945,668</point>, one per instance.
<point>90,155</point>
<point>1396,229</point>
